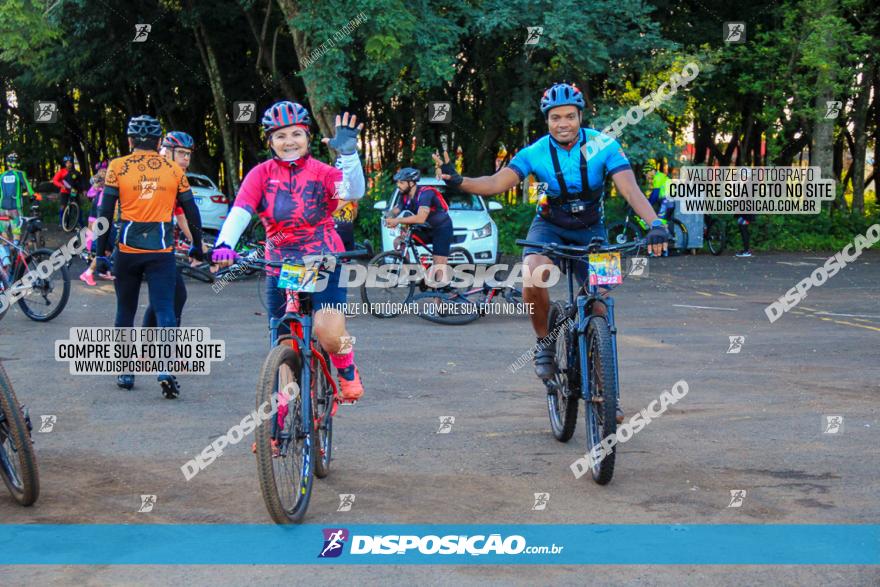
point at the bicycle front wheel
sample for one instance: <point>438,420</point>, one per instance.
<point>47,296</point>
<point>562,395</point>
<point>284,443</point>
<point>70,217</point>
<point>601,401</point>
<point>323,400</point>
<point>18,464</point>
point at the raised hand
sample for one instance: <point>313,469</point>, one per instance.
<point>347,130</point>
<point>445,170</point>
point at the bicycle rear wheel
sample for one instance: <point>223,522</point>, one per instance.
<point>451,308</point>
<point>562,390</point>
<point>70,217</point>
<point>47,297</point>
<point>18,464</point>
<point>716,236</point>
<point>322,414</point>
<point>601,403</point>
<point>284,447</point>
<point>678,236</point>
<point>391,289</point>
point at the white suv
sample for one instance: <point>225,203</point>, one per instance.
<point>472,226</point>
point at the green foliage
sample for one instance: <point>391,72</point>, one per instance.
<point>513,223</point>
<point>368,222</point>
<point>401,55</point>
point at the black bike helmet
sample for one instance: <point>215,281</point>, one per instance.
<point>407,174</point>
<point>144,126</point>
<point>12,158</point>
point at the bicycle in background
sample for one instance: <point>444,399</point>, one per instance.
<point>45,296</point>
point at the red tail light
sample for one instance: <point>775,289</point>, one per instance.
<point>220,199</point>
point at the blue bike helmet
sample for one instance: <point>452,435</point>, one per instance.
<point>65,159</point>
<point>562,95</point>
<point>283,114</point>
<point>178,139</point>
<point>407,174</point>
<point>144,126</point>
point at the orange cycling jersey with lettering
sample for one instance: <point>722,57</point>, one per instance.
<point>148,185</point>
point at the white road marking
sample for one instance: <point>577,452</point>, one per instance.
<point>705,307</point>
<point>796,263</point>
<point>822,313</point>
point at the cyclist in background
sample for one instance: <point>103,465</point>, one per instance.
<point>177,146</point>
<point>428,207</point>
<point>344,218</point>
<point>146,185</point>
<point>295,196</point>
<point>744,221</point>
<point>68,181</point>
<point>13,185</point>
<point>573,213</point>
<point>95,194</point>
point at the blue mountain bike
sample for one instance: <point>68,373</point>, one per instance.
<point>586,347</point>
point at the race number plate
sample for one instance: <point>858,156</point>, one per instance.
<point>605,269</point>
<point>298,278</point>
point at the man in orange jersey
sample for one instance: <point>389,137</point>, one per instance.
<point>146,185</point>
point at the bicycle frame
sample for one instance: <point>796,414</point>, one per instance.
<point>582,304</point>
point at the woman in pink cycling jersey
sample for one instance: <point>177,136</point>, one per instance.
<point>295,196</point>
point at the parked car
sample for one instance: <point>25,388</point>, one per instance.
<point>213,205</point>
<point>473,228</point>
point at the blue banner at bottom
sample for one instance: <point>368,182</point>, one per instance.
<point>235,544</point>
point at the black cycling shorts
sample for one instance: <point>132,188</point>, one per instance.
<point>440,238</point>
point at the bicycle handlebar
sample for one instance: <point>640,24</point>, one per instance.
<point>596,246</point>
<point>355,254</point>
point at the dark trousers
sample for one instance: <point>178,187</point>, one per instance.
<point>158,269</point>
<point>179,303</point>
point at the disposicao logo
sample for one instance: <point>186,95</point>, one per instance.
<point>334,540</point>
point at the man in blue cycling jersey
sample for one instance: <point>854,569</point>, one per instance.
<point>573,212</point>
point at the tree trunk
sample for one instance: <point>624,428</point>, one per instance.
<point>860,122</point>
<point>876,130</point>
<point>209,60</point>
<point>320,111</point>
<point>821,149</point>
<point>265,54</point>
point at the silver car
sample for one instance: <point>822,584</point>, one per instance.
<point>472,226</point>
<point>213,205</point>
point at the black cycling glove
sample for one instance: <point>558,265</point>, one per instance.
<point>657,235</point>
<point>454,178</point>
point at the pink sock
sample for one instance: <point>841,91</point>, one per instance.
<point>342,361</point>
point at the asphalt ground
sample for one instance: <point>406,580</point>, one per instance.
<point>752,421</point>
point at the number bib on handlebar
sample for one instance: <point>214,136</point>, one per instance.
<point>605,269</point>
<point>298,278</point>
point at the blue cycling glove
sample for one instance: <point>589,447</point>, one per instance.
<point>345,141</point>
